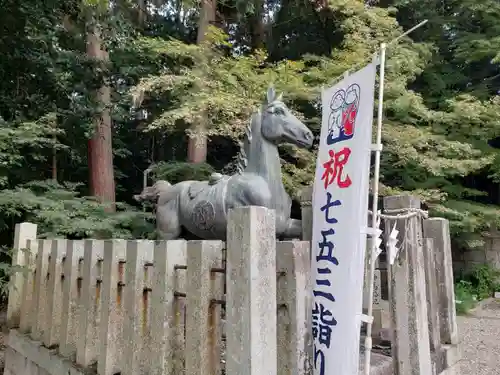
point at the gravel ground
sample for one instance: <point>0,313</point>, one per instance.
<point>480,339</point>
<point>479,332</point>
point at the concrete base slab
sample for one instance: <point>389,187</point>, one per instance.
<point>454,370</point>
<point>447,357</point>
<point>41,360</point>
<point>380,364</point>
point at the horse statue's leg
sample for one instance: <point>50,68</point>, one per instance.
<point>287,228</point>
<point>167,220</point>
<point>293,229</point>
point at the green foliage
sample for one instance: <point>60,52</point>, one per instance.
<point>24,142</point>
<point>60,212</point>
<point>175,172</point>
<point>475,286</point>
<point>224,89</point>
<point>7,270</point>
<point>484,280</point>
<point>465,298</point>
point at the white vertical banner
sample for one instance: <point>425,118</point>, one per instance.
<point>340,211</point>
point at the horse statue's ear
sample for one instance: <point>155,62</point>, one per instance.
<point>279,98</point>
<point>271,95</point>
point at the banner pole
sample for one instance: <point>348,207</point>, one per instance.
<point>376,177</point>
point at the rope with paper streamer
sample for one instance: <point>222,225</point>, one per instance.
<point>392,238</point>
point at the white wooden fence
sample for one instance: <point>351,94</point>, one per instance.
<point>154,307</point>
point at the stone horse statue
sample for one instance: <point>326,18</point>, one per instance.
<point>201,207</point>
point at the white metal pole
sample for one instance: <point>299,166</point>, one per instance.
<point>145,177</point>
<point>408,32</point>
<point>145,184</point>
<point>376,176</point>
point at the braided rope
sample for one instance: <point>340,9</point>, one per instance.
<point>402,213</point>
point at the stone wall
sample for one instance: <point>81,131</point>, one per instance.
<point>465,261</point>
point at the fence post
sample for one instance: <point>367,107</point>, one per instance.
<point>111,324</point>
<point>203,336</point>
<point>86,345</point>
<point>307,213</point>
<point>167,326</point>
<point>307,227</point>
<point>408,303</point>
<point>294,269</point>
<point>432,295</point>
<point>377,312</point>
<point>134,343</point>
<point>70,321</point>
<point>23,233</point>
<point>438,229</point>
<point>39,321</point>
<point>251,292</point>
<point>52,334</point>
<point>28,301</point>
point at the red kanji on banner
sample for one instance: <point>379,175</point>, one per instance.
<point>334,168</point>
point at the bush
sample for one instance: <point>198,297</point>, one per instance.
<point>6,272</point>
<point>175,172</point>
<point>465,298</point>
<point>59,211</point>
<point>475,286</point>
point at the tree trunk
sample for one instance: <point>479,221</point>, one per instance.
<point>54,163</point>
<point>257,27</point>
<point>207,17</point>
<point>54,154</point>
<point>141,12</point>
<point>197,144</point>
<point>100,148</point>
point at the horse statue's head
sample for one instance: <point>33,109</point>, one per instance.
<point>279,125</point>
<point>152,193</point>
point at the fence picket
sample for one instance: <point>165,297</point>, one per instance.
<point>135,330</point>
<point>86,346</point>
<point>54,293</point>
<point>203,334</point>
<point>28,301</point>
<point>40,293</point>
<point>23,233</point>
<point>251,292</point>
<point>293,265</point>
<point>111,322</point>
<point>70,299</point>
<point>167,321</point>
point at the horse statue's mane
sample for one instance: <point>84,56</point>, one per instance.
<point>241,158</point>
